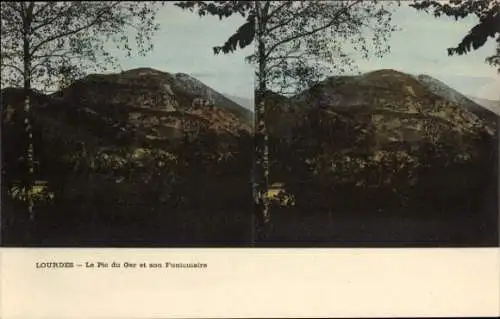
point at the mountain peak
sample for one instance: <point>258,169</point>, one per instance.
<point>187,77</point>
<point>390,99</point>
<point>439,88</point>
<point>183,75</point>
<point>385,72</point>
<point>493,106</point>
<point>143,71</point>
<point>152,88</point>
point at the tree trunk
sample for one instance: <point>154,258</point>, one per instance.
<point>28,180</point>
<point>261,169</point>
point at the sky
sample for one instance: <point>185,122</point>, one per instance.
<point>185,40</point>
<point>420,48</point>
<point>184,44</point>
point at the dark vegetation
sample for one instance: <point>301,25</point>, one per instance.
<point>488,14</point>
<point>104,182</point>
<point>123,160</point>
<point>109,187</point>
<point>352,190</point>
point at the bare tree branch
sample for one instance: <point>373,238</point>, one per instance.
<point>42,9</point>
<point>13,6</point>
<point>13,67</point>
<point>278,9</point>
<point>60,14</point>
<point>285,22</point>
<point>71,32</point>
<point>332,22</point>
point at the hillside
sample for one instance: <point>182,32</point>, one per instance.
<point>441,89</point>
<point>145,87</point>
<point>164,90</point>
<point>191,86</point>
<point>398,107</point>
<point>126,154</point>
<point>129,158</point>
<point>493,106</point>
<point>387,137</point>
<point>152,104</point>
<point>246,102</point>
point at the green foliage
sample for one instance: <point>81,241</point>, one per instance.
<point>46,44</point>
<point>38,193</point>
<point>245,34</point>
<point>223,9</point>
<point>68,38</point>
<point>243,37</point>
<point>297,43</point>
<point>488,13</point>
<point>304,40</point>
<point>336,178</point>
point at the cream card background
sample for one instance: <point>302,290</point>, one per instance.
<point>253,283</point>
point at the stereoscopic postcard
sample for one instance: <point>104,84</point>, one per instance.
<point>230,159</point>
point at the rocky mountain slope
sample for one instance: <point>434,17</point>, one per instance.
<point>167,90</point>
<point>441,89</point>
<point>126,157</point>
<point>133,150</point>
<point>493,106</point>
<point>117,115</point>
<point>396,107</point>
<point>246,102</point>
<point>389,130</point>
<point>192,86</point>
<point>135,107</point>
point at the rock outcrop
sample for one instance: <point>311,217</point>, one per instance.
<point>389,130</point>
<point>110,113</point>
<point>492,105</point>
<point>396,108</point>
<point>153,104</point>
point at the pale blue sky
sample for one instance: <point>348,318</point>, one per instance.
<point>185,41</point>
<point>184,44</point>
<point>420,48</point>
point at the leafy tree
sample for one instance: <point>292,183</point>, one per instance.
<point>42,41</point>
<point>297,43</point>
<point>488,13</point>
